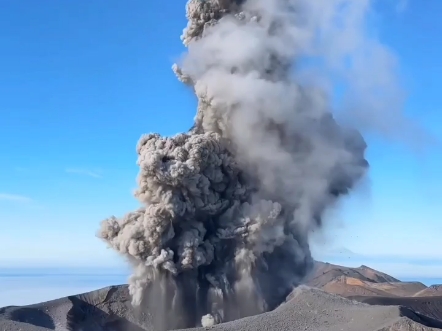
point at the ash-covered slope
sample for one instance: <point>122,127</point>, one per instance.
<point>323,273</point>
<point>375,275</point>
<point>433,290</point>
<point>305,309</point>
<point>108,308</point>
<point>313,309</point>
<point>373,287</point>
<point>428,306</point>
<point>360,281</point>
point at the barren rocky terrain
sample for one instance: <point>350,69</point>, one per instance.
<point>364,281</point>
<point>334,298</point>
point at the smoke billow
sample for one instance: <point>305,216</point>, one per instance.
<point>229,205</point>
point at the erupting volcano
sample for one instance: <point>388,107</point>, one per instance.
<point>229,205</point>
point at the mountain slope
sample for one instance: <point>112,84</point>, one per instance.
<point>306,309</point>
<point>377,302</point>
<point>362,280</point>
<point>433,290</point>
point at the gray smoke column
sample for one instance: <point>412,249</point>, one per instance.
<point>229,205</point>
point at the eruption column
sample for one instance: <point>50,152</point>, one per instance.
<point>228,206</point>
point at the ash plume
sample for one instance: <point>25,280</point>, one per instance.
<point>228,206</point>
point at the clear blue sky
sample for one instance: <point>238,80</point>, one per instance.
<point>82,80</point>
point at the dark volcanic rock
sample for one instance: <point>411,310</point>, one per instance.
<point>109,309</point>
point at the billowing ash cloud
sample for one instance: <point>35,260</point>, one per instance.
<point>228,206</point>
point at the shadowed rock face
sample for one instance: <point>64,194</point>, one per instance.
<point>34,316</point>
<point>104,309</point>
<point>425,307</point>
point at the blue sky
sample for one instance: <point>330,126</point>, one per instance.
<point>82,80</point>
